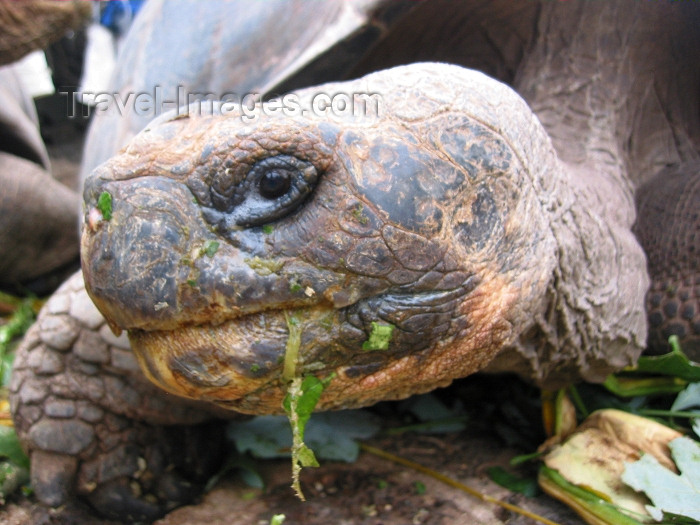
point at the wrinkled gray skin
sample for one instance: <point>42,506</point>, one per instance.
<point>430,217</point>
<point>38,214</point>
<point>563,299</point>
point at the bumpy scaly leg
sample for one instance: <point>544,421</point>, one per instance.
<point>668,227</point>
<point>94,427</point>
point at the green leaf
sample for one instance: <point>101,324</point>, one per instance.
<point>104,204</point>
<point>695,423</point>
<point>306,457</point>
<point>210,248</point>
<point>670,493</point>
<point>525,458</point>
<point>428,407</point>
<point>688,398</point>
<point>598,397</point>
<point>294,392</point>
<point>593,458</point>
<point>18,323</point>
<point>251,477</point>
<point>268,229</point>
<point>436,426</point>
<point>526,486</point>
<point>311,390</point>
<point>10,447</point>
<point>624,386</point>
<point>675,363</point>
<point>686,454</point>
<point>586,503</point>
<point>6,362</point>
<point>12,477</point>
<point>245,468</point>
<point>379,337</point>
<point>263,436</point>
<point>299,403</point>
<point>331,435</point>
<point>435,417</point>
<point>14,470</point>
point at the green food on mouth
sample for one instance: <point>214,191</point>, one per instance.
<point>104,205</point>
<point>299,402</point>
<point>380,337</point>
<point>294,285</point>
<point>291,351</point>
<point>358,213</point>
<point>263,267</point>
<point>210,248</point>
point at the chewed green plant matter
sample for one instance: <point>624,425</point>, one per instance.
<point>303,394</point>
<point>104,205</point>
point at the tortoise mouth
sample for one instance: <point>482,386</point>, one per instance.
<point>237,363</point>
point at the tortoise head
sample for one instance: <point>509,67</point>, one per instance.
<point>404,242</point>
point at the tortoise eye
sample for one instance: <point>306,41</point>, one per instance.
<point>275,183</point>
<point>272,188</point>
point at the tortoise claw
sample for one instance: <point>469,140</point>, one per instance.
<point>53,476</point>
<point>116,500</point>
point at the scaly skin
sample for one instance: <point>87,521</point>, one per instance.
<point>406,224</point>
<point>38,214</point>
<point>669,230</point>
<point>94,428</point>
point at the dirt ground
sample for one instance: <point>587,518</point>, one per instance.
<point>368,492</point>
<point>372,490</point>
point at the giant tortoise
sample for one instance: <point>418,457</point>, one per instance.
<point>484,222</point>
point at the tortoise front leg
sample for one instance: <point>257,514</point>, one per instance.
<point>93,426</point>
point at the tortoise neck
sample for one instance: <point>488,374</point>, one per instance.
<point>599,77</point>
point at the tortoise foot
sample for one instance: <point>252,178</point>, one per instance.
<point>137,474</point>
<point>165,467</point>
<point>92,425</point>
